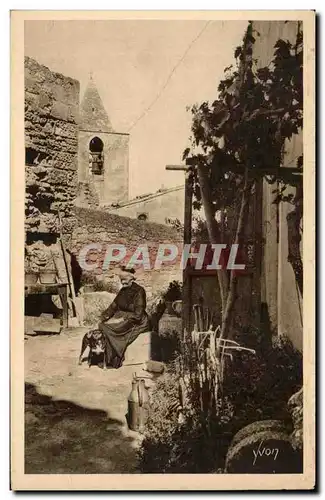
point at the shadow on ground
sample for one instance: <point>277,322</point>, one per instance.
<point>64,438</point>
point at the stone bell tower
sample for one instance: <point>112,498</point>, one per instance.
<point>103,154</point>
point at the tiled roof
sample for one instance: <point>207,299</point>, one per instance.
<point>93,116</point>
<point>145,197</point>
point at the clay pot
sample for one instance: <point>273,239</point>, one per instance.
<point>177,307</point>
<point>169,308</point>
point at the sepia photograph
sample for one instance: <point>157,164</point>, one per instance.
<point>163,168</point>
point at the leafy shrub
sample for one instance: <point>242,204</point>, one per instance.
<point>173,292</point>
<point>256,387</point>
<point>175,445</point>
<point>266,381</point>
<point>157,304</point>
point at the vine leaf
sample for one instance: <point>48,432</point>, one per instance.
<point>186,153</point>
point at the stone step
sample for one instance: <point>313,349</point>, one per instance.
<point>44,324</point>
<point>139,351</point>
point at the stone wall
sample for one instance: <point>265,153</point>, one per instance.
<point>51,144</point>
<point>96,226</point>
<point>279,291</point>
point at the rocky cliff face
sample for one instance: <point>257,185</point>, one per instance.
<point>51,145</point>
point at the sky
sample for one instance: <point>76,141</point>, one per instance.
<point>130,62</point>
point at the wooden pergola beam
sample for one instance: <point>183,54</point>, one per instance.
<point>190,162</point>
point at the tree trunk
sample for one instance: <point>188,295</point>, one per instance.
<point>228,290</point>
<point>212,227</point>
<point>227,318</point>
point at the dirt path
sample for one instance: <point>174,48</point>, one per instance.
<point>75,415</point>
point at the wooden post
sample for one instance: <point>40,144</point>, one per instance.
<point>187,284</point>
<point>68,271</point>
<point>63,293</point>
<point>188,207</point>
<point>187,239</point>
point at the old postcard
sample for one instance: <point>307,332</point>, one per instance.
<point>163,240</point>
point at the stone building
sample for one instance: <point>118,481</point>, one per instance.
<point>51,162</point>
<point>103,169</point>
<point>164,206</point>
<point>73,160</point>
<point>51,180</point>
<point>74,157</point>
<point>103,154</point>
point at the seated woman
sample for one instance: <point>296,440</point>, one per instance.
<point>129,307</point>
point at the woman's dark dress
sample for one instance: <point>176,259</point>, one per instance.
<point>130,303</point>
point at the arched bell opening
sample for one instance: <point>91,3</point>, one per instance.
<point>96,156</point>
